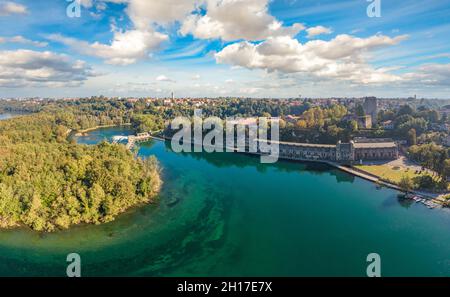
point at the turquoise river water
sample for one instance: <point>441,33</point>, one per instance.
<point>226,214</point>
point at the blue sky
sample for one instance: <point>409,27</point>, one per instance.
<point>249,48</point>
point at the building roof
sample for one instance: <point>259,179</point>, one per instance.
<point>375,145</point>
<point>362,145</point>
<point>310,145</point>
<point>243,121</point>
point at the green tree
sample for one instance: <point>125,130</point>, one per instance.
<point>360,110</point>
<point>406,184</point>
<point>146,123</point>
<point>353,126</point>
<point>405,110</point>
<point>412,137</point>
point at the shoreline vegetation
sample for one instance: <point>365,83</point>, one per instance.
<point>48,182</point>
<point>38,159</point>
<point>84,132</point>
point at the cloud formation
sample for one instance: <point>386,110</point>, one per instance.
<point>145,12</point>
<point>236,19</point>
<point>163,78</point>
<point>129,46</point>
<point>318,30</point>
<point>25,68</point>
<point>240,33</point>
<point>341,58</point>
<point>430,75</point>
<point>9,8</point>
<point>126,47</point>
<point>22,40</point>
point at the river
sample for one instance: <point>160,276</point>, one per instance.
<point>226,214</point>
<point>5,116</point>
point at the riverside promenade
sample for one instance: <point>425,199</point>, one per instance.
<point>429,199</point>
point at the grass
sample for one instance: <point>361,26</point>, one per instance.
<point>390,173</point>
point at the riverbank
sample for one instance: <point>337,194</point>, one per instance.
<point>431,200</point>
<point>7,116</point>
<point>85,131</point>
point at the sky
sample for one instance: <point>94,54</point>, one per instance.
<point>221,48</point>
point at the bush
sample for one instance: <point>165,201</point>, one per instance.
<point>425,182</point>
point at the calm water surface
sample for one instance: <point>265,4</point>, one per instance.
<point>229,215</point>
<point>5,116</point>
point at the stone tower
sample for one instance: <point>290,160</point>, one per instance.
<point>371,108</point>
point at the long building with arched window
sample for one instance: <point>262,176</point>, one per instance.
<point>358,150</point>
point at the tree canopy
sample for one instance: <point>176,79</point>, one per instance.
<point>48,182</point>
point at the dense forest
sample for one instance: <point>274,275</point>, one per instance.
<point>48,182</point>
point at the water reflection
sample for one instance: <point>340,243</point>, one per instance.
<point>224,160</point>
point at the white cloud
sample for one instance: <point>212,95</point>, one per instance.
<point>348,46</point>
<point>145,12</point>
<point>249,91</point>
<point>9,8</point>
<point>126,48</point>
<point>430,75</point>
<point>163,78</point>
<point>236,19</point>
<point>22,40</point>
<point>340,58</point>
<point>24,68</point>
<point>86,3</point>
<point>319,30</point>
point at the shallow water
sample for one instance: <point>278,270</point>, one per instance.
<point>5,116</point>
<point>228,215</point>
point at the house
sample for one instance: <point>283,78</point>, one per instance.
<point>292,119</point>
<point>388,125</point>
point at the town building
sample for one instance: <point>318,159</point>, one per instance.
<point>361,149</point>
<point>388,125</point>
<point>375,151</point>
<point>292,119</point>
